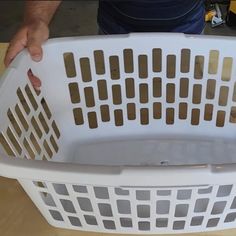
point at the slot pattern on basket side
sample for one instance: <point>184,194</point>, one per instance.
<point>208,97</point>
<point>32,133</point>
<point>139,209</point>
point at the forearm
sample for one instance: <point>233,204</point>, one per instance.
<point>40,11</point>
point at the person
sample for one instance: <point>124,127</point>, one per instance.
<point>114,17</point>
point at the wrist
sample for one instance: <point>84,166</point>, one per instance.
<point>35,20</point>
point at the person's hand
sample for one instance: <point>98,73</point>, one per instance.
<point>31,36</point>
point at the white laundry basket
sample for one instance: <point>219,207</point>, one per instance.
<point>129,134</point>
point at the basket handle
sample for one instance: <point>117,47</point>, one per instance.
<point>116,175</point>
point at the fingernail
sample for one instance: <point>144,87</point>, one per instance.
<point>36,57</point>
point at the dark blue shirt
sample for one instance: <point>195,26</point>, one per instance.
<point>121,16</point>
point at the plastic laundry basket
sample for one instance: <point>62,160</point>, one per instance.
<point>129,134</point>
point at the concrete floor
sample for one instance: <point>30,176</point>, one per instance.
<point>72,18</point>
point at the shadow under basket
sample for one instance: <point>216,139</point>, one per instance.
<point>128,133</point>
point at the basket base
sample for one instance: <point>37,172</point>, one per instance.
<point>152,152</point>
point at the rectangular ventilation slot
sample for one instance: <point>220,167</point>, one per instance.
<point>85,69</point>
<point>143,93</point>
<point>55,129</point>
<point>234,93</point>
<point>118,117</point>
<point>124,206</point>
<point>126,222</point>
<point>208,112</point>
<point>161,222</point>
<point>144,226</point>
<point>195,116</point>
<point>102,89</point>
<point>56,215</point>
<point>47,148</point>
<point>184,83</point>
<point>129,85</point>
<point>99,62</point>
<point>74,92</point>
<point>143,66</point>
<point>212,222</point>
<point>218,208</point>
<point>28,148</point>
<point>101,192</point>
<point>170,93</point>
<point>233,115</point>
<point>213,62</point>
<point>197,220</point>
<point>90,220</point>
<point>157,87</point>
<point>157,110</point>
<point>114,67</point>
<point>21,118</point>
<point>43,122</point>
<point>92,119</point>
<point>170,116</point>
<point>185,60</point>
<point>197,92</point>
<point>6,146</point>
<point>78,116</point>
<point>205,190</point>
<point>31,97</point>
<point>198,67</point>
<point>67,205</point>
<point>46,108</point>
<point>163,207</point>
<point>23,101</point>
<point>105,114</point>
<point>171,66</point>
<point>116,94</point>
<point>181,210</point>
<point>14,122</point>
<point>157,59</point>
<point>201,205</point>
<point>144,116</point>
<point>105,209</point>
<point>223,98</point>
<point>35,143</point>
<point>128,60</point>
<point>227,68</point>
<point>14,141</point>
<point>211,86</point>
<point>36,127</point>
<point>69,63</point>
<point>178,225</point>
<point>143,211</point>
<point>89,97</point>
<point>54,144</point>
<point>220,120</point>
<point>183,110</point>
<point>85,204</point>
<point>131,112</point>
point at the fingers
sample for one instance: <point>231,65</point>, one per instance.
<point>35,81</point>
<point>31,36</point>
<point>16,45</point>
<point>36,37</point>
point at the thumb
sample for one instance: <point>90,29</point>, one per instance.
<point>35,48</point>
<point>37,34</point>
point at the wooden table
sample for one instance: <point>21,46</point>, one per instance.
<point>20,217</point>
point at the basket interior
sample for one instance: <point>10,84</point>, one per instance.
<point>134,105</point>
